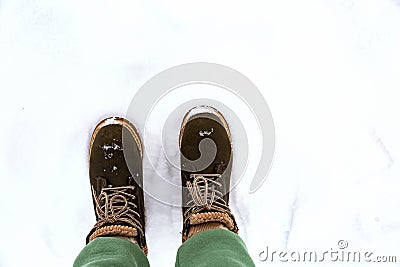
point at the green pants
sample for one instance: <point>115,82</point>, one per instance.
<point>210,248</point>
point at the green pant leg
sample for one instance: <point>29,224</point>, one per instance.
<point>215,247</point>
<point>111,251</point>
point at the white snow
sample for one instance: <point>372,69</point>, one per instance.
<point>113,146</point>
<point>329,71</point>
<point>206,133</point>
<point>110,120</point>
<point>200,110</point>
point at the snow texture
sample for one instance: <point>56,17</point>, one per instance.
<point>329,71</point>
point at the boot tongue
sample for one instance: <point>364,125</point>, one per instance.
<point>220,168</point>
<point>101,183</point>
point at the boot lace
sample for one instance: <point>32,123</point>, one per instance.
<point>204,195</point>
<point>113,205</point>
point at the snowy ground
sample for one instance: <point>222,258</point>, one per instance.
<point>329,70</point>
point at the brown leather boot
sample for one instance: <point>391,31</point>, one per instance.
<point>116,179</point>
<point>206,164</point>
